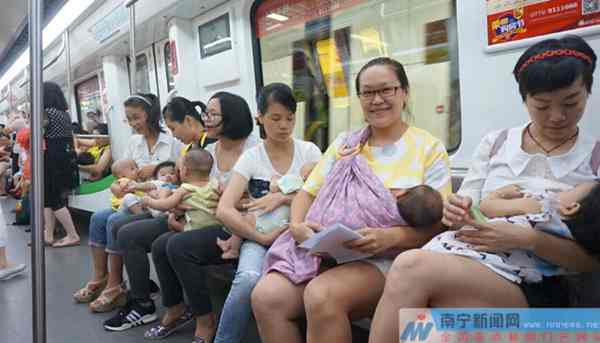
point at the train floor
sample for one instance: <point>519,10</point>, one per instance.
<point>66,270</point>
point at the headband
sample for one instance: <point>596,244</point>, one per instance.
<point>139,97</point>
<point>554,53</point>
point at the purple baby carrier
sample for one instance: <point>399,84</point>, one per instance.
<point>352,195</point>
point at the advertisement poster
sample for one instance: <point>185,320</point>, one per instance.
<point>515,20</point>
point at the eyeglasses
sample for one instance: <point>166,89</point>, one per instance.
<point>386,92</point>
<point>208,115</point>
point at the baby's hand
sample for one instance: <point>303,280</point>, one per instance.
<point>509,192</point>
<point>153,194</point>
<point>146,200</point>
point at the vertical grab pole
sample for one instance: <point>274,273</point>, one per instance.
<point>38,275</point>
<point>69,93</point>
<point>133,62</point>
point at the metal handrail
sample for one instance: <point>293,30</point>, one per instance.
<point>51,62</point>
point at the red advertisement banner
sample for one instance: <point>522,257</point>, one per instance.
<point>514,20</point>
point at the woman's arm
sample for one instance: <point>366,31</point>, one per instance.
<point>99,167</point>
<point>376,241</point>
<point>168,203</point>
<point>299,228</point>
<point>503,236</point>
<point>563,252</point>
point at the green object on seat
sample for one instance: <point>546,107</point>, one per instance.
<point>96,186</point>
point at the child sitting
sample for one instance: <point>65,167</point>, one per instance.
<point>197,191</point>
<point>165,181</point>
<point>572,214</point>
<point>126,192</point>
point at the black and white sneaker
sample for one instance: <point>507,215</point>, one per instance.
<point>130,316</point>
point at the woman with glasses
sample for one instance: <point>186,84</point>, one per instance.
<point>149,146</point>
<point>227,118</point>
<point>399,156</point>
<point>547,152</point>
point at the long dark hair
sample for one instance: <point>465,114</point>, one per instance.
<point>54,97</point>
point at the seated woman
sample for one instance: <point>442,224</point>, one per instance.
<point>226,117</point>
<point>94,155</point>
<point>149,147</point>
<point>555,78</point>
<point>392,155</point>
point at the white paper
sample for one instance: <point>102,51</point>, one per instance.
<point>330,241</point>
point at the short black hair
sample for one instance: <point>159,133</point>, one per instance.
<point>165,164</point>
<point>237,118</point>
<point>585,224</point>
<point>54,97</point>
<point>421,206</point>
<point>102,128</point>
<point>179,107</point>
<point>553,73</point>
<point>151,107</point>
<point>389,62</point>
<point>276,92</point>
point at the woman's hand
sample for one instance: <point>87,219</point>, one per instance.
<point>267,203</point>
<point>497,236</point>
<point>456,210</point>
<point>267,239</point>
<point>303,231</point>
<point>174,224</point>
<point>374,241</point>
<point>145,172</point>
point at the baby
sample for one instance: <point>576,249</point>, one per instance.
<point>573,214</point>
<point>126,196</point>
<point>420,206</point>
<point>198,191</point>
<point>269,221</point>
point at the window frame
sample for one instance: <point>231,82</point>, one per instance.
<point>258,69</point>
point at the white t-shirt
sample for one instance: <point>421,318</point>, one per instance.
<point>255,163</point>
<point>167,148</point>
<point>224,176</point>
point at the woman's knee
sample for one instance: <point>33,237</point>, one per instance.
<point>412,266</point>
<point>267,297</point>
<point>126,236</point>
<point>320,298</point>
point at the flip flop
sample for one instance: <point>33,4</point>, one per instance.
<point>64,244</point>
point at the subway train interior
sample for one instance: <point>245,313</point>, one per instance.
<point>103,53</point>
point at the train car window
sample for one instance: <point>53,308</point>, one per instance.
<point>169,66</point>
<point>89,100</point>
<point>215,36</point>
<point>142,79</point>
<point>318,47</point>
